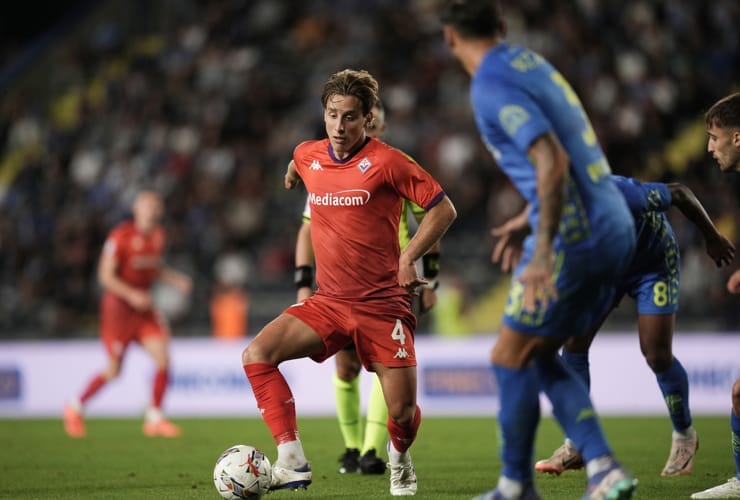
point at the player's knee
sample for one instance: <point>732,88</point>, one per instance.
<point>348,369</point>
<point>659,360</point>
<point>112,372</point>
<point>256,353</point>
<point>403,415</point>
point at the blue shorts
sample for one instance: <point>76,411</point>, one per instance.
<point>585,281</point>
<point>654,286</point>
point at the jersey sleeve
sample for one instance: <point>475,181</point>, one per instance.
<point>643,197</point>
<point>513,112</point>
<point>414,183</point>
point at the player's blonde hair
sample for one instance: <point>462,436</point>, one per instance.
<point>356,83</point>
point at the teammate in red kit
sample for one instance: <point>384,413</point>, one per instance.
<point>130,263</point>
<point>355,187</point>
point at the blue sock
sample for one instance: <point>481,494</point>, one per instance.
<point>518,417</point>
<point>674,384</point>
<point>572,407</point>
<point>735,426</point>
<point>579,363</point>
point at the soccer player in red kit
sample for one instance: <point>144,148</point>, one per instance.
<point>130,263</point>
<point>355,187</point>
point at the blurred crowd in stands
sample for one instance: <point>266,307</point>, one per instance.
<point>205,100</point>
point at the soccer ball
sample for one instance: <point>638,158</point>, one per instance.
<point>242,471</point>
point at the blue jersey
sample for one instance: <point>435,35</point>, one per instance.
<point>517,96</point>
<point>653,276</point>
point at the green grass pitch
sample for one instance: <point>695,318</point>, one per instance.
<point>455,458</point>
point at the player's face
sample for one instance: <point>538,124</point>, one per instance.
<point>147,211</point>
<point>724,145</point>
<point>345,124</point>
<point>376,127</point>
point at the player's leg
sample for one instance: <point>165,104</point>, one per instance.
<point>74,423</point>
<point>404,419</point>
<point>519,409</point>
<point>347,398</point>
<point>656,339</point>
<point>155,341</point>
<point>115,340</point>
<point>376,431</point>
<point>730,488</point>
<point>575,355</point>
<point>286,337</point>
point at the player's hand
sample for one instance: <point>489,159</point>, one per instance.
<point>408,278</point>
<point>538,282</point>
<point>509,247</point>
<point>428,299</point>
<point>141,300</point>
<point>507,250</point>
<point>291,176</point>
<point>733,284</point>
<point>721,250</point>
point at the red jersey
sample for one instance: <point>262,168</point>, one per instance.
<point>355,211</point>
<point>139,255</point>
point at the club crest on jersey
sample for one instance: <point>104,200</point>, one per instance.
<point>364,165</point>
<point>315,165</point>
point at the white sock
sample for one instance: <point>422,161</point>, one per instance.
<point>688,433</point>
<point>153,414</point>
<point>599,464</point>
<point>395,456</point>
<point>290,454</point>
<point>510,488</point>
<point>76,405</point>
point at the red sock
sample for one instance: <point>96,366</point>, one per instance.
<point>403,437</point>
<point>274,400</point>
<point>94,386</point>
<point>161,378</point>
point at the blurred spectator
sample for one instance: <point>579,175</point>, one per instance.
<point>229,301</point>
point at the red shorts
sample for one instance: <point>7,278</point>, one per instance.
<point>382,329</point>
<point>120,324</point>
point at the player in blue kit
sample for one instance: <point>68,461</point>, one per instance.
<point>653,282</point>
<point>583,239</point>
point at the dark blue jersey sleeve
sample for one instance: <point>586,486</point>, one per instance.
<point>643,197</point>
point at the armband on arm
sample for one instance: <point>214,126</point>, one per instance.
<point>303,277</point>
<point>430,264</point>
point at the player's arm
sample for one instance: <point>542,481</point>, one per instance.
<point>179,280</point>
<point>430,265</point>
<point>434,224</point>
<point>551,166</point>
<point>719,248</point>
<point>291,176</point>
<point>304,262</point>
<point>138,299</point>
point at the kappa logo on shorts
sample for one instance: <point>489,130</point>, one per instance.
<point>315,165</point>
<point>402,353</point>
